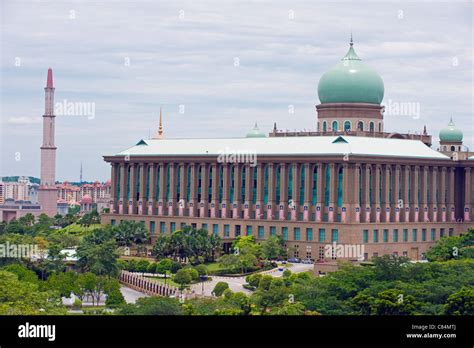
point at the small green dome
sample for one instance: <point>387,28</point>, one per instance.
<point>450,133</point>
<point>351,81</point>
<point>255,133</point>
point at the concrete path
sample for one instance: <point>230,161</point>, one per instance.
<point>131,295</point>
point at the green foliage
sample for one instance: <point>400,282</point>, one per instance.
<point>164,266</point>
<point>202,270</point>
<point>175,267</point>
<point>452,247</point>
<point>253,279</point>
<point>23,273</point>
<point>130,233</point>
<point>219,288</point>
<point>97,253</point>
<point>183,277</point>
<point>273,248</point>
<point>461,302</point>
<point>153,306</point>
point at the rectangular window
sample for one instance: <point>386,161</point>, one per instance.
<point>334,235</point>
<point>204,227</point>
<point>193,226</point>
<point>273,231</point>
<point>433,234</point>
<point>423,235</point>
<point>395,236</point>
<point>162,227</point>
<point>376,236</point>
<point>261,232</point>
<point>441,232</point>
<point>237,231</point>
<point>112,222</point>
<point>172,227</point>
<point>451,232</point>
<point>365,236</point>
<point>297,233</point>
<point>385,236</point>
<point>249,230</point>
<point>414,234</point>
<point>284,233</point>
<point>322,235</point>
<point>226,231</point>
<point>152,227</point>
<point>309,234</point>
<point>405,235</point>
<point>215,229</point>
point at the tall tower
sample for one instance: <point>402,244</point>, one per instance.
<point>159,134</point>
<point>47,193</point>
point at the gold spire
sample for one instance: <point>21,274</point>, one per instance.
<point>159,134</point>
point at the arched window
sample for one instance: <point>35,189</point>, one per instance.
<point>157,181</point>
<point>360,126</point>
<point>147,190</point>
<point>347,126</point>
<point>380,126</point>
<point>314,187</point>
<point>199,183</point>
<point>178,183</point>
<point>137,185</point>
<point>168,170</point>
<point>128,183</point>
<point>371,126</point>
<point>326,184</point>
<point>188,185</point>
<point>335,126</point>
<point>453,148</point>
<point>371,197</point>
<point>254,188</point>
<point>325,127</point>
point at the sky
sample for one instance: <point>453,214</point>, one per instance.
<point>215,68</point>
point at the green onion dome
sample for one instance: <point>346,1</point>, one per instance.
<point>255,133</point>
<point>351,81</point>
<point>450,133</point>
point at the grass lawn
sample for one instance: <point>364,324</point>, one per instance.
<point>78,229</point>
<point>169,281</point>
<point>213,267</point>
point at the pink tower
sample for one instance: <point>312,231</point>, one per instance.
<point>47,193</point>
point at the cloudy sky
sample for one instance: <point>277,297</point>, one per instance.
<point>216,67</point>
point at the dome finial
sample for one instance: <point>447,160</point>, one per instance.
<point>352,41</point>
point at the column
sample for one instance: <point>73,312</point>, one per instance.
<point>347,193</point>
<point>386,184</point>
<point>451,190</point>
<point>467,194</point>
<point>405,194</point>
<point>237,190</point>
<point>442,201</point>
<point>113,188</point>
<point>414,214</point>
<point>434,196</point>
<point>162,195</point>
<point>152,192</point>
<point>308,176</point>
<point>142,188</point>
<point>366,192</point>
<point>296,191</point>
<point>320,191</point>
<point>332,191</point>
<point>203,204</point>
<point>123,189</point>
<point>283,191</point>
<point>193,194</point>
<point>259,209</point>
<point>215,189</point>
<point>355,209</point>
<point>396,203</point>
<point>271,191</point>
<point>133,186</point>
<point>376,178</point>
<point>183,188</point>
<point>225,190</point>
<point>248,190</point>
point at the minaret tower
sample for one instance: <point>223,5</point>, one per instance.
<point>47,193</point>
<point>159,134</point>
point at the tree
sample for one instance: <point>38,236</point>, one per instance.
<point>246,244</point>
<point>460,303</point>
<point>162,247</point>
<point>388,302</point>
<point>97,253</point>
<point>202,270</point>
<point>183,278</point>
<point>164,267</point>
<point>273,248</point>
<point>55,259</point>
<point>153,306</point>
<point>219,288</point>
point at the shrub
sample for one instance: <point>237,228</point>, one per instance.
<point>151,267</point>
<point>202,269</point>
<point>175,267</point>
<point>183,277</point>
<point>286,273</point>
<point>220,288</point>
<point>253,280</point>
<point>265,282</point>
<point>193,273</point>
<point>77,304</point>
<point>114,299</point>
<point>142,266</point>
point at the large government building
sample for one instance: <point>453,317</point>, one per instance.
<point>350,182</point>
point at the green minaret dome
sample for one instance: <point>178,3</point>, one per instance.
<point>255,133</point>
<point>450,133</point>
<point>351,81</point>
